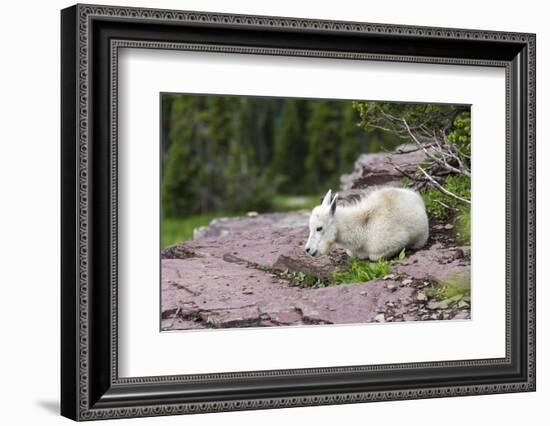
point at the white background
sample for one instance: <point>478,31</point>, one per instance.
<point>29,229</point>
<point>141,345</point>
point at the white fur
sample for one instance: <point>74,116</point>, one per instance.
<point>379,225</point>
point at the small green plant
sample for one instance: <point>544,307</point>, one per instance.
<point>360,271</point>
<point>461,134</point>
<point>401,255</point>
<point>440,205</point>
<point>455,288</point>
<point>432,197</point>
<point>302,279</point>
<point>464,225</point>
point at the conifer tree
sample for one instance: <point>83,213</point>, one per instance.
<point>323,137</point>
<point>352,138</point>
<point>229,153</point>
<point>288,155</point>
<point>265,130</point>
<point>182,164</point>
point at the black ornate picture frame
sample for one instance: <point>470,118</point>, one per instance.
<point>91,36</point>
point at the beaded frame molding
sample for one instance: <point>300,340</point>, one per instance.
<point>91,38</point>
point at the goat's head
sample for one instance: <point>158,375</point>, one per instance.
<point>322,226</point>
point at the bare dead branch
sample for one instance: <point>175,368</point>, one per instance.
<point>441,188</point>
<point>437,146</point>
<point>402,151</point>
<point>446,206</point>
<point>403,172</point>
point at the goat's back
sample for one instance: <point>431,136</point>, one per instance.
<point>397,214</point>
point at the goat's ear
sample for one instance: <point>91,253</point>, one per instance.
<point>333,204</point>
<point>327,199</point>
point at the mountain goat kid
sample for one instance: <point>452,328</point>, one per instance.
<point>379,225</point>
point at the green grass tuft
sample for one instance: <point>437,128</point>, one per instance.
<point>302,279</point>
<point>464,225</point>
<point>361,271</point>
<point>459,185</point>
<point>460,212</point>
<point>456,288</point>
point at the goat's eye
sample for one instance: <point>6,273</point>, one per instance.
<point>319,229</point>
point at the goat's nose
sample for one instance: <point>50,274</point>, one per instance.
<point>307,250</point>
